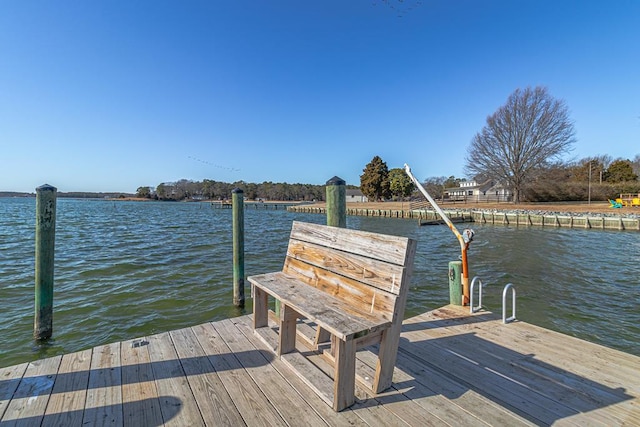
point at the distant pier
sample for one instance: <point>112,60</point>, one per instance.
<point>226,204</point>
<point>565,220</point>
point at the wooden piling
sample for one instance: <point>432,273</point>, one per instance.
<point>336,202</point>
<point>237,201</point>
<point>45,247</point>
<point>336,195</point>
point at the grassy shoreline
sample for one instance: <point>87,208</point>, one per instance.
<point>555,207</point>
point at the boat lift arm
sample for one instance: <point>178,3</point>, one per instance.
<point>464,238</point>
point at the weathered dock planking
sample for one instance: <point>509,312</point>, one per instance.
<point>452,369</point>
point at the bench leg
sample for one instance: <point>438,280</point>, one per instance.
<point>344,375</point>
<point>287,337</point>
<point>260,308</point>
<point>322,335</point>
<point>386,359</point>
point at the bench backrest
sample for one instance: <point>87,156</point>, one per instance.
<point>370,271</point>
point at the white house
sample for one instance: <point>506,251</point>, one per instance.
<point>355,195</point>
<point>471,191</point>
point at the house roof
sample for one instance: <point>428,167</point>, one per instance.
<point>482,187</point>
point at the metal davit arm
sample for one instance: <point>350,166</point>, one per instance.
<point>464,238</point>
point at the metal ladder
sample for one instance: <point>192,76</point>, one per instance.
<point>506,319</point>
<point>475,308</point>
<point>472,308</point>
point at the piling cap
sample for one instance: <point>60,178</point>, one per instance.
<point>46,187</point>
<point>237,190</point>
<point>336,181</point>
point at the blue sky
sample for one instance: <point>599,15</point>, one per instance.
<point>113,95</point>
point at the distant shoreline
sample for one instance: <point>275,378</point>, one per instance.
<point>70,195</point>
<point>543,207</point>
<point>598,207</point>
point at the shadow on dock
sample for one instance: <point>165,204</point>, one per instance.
<point>534,390</point>
<point>95,416</point>
<point>129,374</point>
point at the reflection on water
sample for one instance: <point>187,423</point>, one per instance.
<point>126,269</point>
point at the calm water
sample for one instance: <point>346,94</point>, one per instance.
<point>127,269</point>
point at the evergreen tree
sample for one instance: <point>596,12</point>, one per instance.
<point>374,182</point>
<point>620,171</point>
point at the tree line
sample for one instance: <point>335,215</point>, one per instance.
<point>216,190</point>
<point>598,177</point>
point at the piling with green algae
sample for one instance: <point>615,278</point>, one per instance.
<point>45,247</point>
<point>237,201</point>
<point>336,202</point>
<point>455,282</point>
<point>336,209</point>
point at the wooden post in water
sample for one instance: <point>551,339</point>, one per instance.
<point>455,282</point>
<point>237,201</point>
<point>336,202</point>
<point>336,217</point>
<point>45,247</point>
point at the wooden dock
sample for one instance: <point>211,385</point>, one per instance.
<point>226,204</point>
<point>453,369</point>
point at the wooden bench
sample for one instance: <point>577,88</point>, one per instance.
<point>353,286</point>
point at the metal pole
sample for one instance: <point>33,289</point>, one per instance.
<point>464,240</point>
<point>45,248</point>
<point>590,182</point>
<point>237,201</point>
<point>336,202</point>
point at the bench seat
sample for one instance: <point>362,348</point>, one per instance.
<point>332,314</point>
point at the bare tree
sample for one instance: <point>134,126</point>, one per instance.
<point>524,134</point>
<point>636,164</point>
<point>591,168</point>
